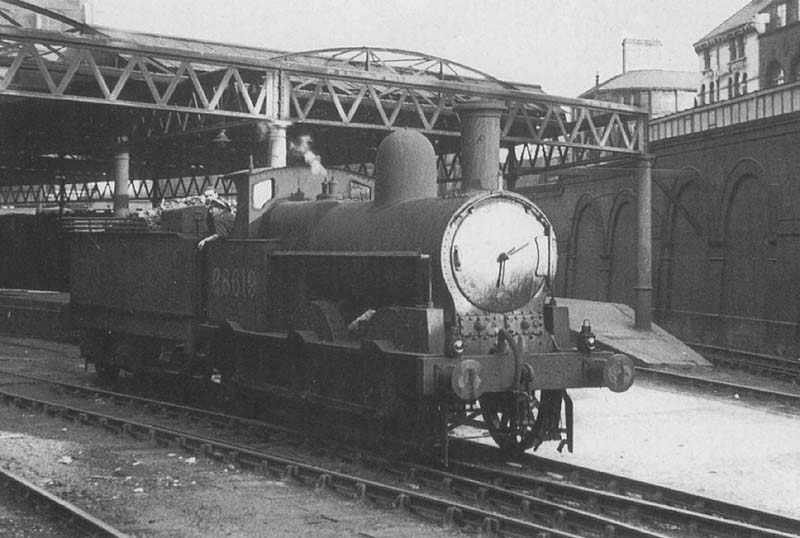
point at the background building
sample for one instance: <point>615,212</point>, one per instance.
<point>779,44</point>
<point>643,84</point>
<point>758,47</point>
<point>726,197</point>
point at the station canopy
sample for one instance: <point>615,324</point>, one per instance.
<point>71,96</point>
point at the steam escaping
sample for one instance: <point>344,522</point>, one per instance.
<point>261,130</point>
<point>301,146</point>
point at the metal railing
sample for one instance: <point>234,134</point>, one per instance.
<point>762,104</point>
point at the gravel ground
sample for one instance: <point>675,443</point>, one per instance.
<point>148,491</point>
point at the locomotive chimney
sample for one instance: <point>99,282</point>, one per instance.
<point>405,168</point>
<point>480,144</point>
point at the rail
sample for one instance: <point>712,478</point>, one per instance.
<point>785,368</point>
<point>718,387</point>
<point>784,99</point>
<point>70,515</point>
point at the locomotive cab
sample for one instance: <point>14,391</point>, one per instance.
<point>258,189</point>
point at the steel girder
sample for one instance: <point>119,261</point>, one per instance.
<point>26,188</point>
<point>178,90</point>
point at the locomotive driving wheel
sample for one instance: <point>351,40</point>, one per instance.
<point>511,420</point>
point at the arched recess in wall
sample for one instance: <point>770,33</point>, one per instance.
<point>794,70</point>
<point>774,74</point>
<point>685,264</point>
<point>586,278</point>
<point>748,224</point>
<point>622,249</point>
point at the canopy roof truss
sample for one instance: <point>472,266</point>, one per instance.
<point>175,90</point>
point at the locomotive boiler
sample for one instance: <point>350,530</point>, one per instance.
<point>417,313</point>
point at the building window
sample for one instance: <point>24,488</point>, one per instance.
<point>736,47</point>
<point>710,92</point>
<point>702,95</point>
<point>707,60</point>
<point>744,83</point>
<point>780,15</point>
<point>736,84</point>
<point>794,74</point>
<point>774,74</point>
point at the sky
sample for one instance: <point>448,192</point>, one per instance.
<point>558,44</point>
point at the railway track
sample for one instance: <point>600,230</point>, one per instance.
<point>66,516</point>
<point>538,496</point>
<point>784,368</point>
<point>734,389</point>
<point>447,511</point>
<point>553,480</point>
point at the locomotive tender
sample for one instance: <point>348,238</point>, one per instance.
<point>422,313</point>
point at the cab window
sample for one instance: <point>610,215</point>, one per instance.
<point>263,192</point>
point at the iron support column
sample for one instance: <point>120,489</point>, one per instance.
<point>644,251</point>
<point>480,144</point>
<point>277,144</point>
<point>122,160</point>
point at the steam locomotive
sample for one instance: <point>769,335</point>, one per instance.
<point>420,313</point>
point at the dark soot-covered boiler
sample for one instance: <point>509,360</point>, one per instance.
<point>491,253</point>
